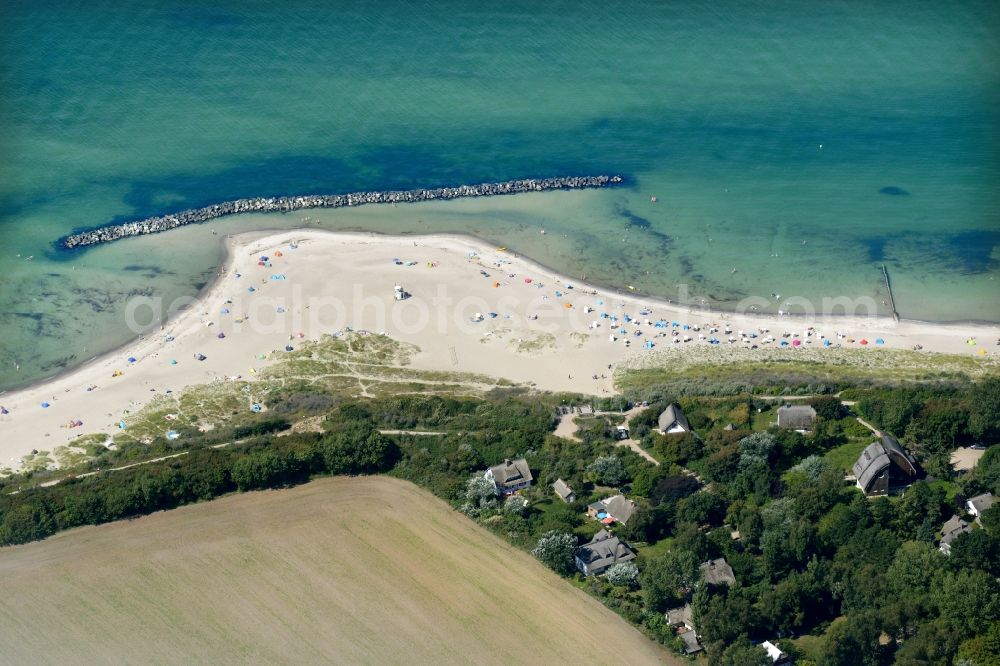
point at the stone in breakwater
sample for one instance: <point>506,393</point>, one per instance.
<point>153,225</point>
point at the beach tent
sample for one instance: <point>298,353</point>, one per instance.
<point>131,359</point>
<point>784,343</point>
<point>278,254</point>
<point>200,357</point>
<point>981,352</point>
<point>864,341</point>
<point>4,411</point>
<point>796,342</point>
<point>567,305</point>
<point>826,343</point>
<point>261,356</point>
<point>263,257</point>
<point>527,280</point>
<point>169,338</point>
<point>251,289</point>
<point>880,341</point>
<point>121,425</point>
<point>172,434</point>
<point>279,310</point>
<point>255,407</point>
<point>116,373</point>
<point>173,361</point>
<point>221,335</point>
<point>289,348</point>
<point>45,405</point>
<point>649,344</point>
<point>225,310</point>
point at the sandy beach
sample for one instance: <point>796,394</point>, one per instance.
<point>468,308</point>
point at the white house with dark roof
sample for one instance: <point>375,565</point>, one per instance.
<point>951,530</point>
<point>778,657</point>
<point>673,421</point>
<point>976,505</point>
<point>602,552</point>
<point>681,622</point>
<point>509,476</point>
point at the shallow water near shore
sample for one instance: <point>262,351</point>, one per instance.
<point>789,145</point>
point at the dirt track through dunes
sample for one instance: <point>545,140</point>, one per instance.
<point>340,570</point>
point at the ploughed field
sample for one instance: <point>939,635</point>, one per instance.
<point>344,570</point>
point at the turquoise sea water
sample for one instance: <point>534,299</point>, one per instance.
<point>802,144</point>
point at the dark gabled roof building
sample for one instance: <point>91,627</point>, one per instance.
<point>718,572</point>
<point>796,417</point>
<point>601,553</point>
<point>978,504</point>
<point>884,466</point>
<point>672,420</point>
<point>564,492</point>
<point>510,476</point>
<point>951,530</point>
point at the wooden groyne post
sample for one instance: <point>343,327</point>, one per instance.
<point>888,287</point>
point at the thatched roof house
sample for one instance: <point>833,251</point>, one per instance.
<point>796,417</point>
<point>601,553</point>
<point>883,466</point>
<point>672,420</point>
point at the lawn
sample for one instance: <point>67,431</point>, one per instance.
<point>844,456</point>
<point>340,570</point>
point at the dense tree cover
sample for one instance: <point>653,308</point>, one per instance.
<point>354,447</point>
<point>624,574</point>
<point>555,550</point>
<point>933,421</point>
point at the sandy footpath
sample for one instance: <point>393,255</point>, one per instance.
<point>535,326</point>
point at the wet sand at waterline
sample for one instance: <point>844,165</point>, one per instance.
<point>472,308</point>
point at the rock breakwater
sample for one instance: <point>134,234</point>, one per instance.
<point>153,225</point>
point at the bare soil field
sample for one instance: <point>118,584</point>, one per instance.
<point>344,570</point>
